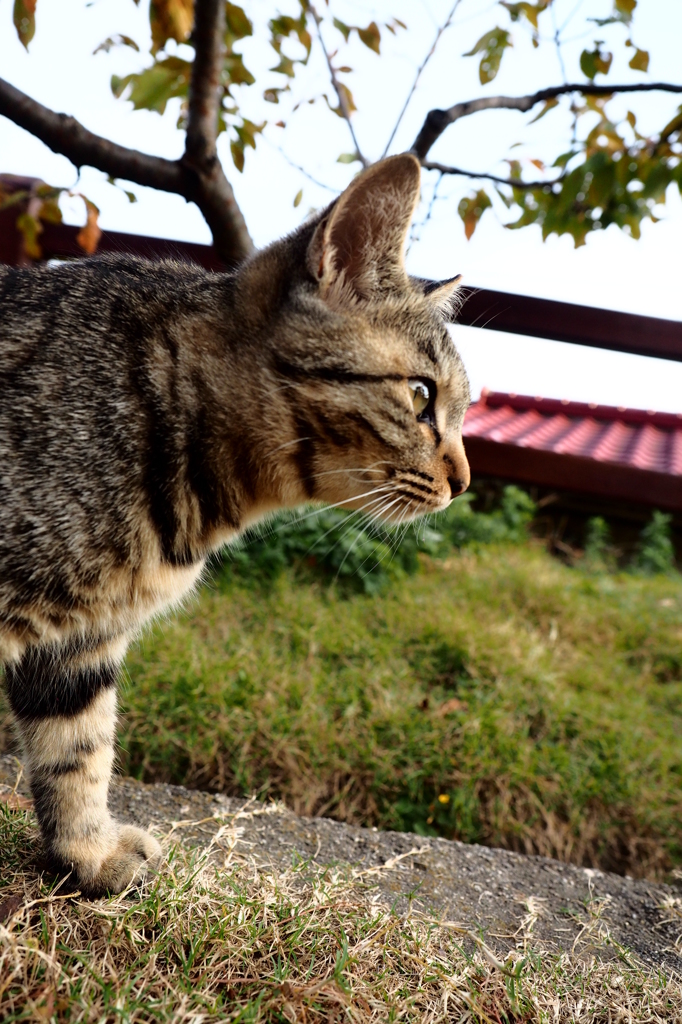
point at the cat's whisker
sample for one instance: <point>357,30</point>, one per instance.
<point>370,468</point>
<point>296,521</point>
<point>287,444</point>
<point>377,521</point>
<point>351,469</point>
<point>348,552</point>
<point>354,513</point>
<point>338,504</point>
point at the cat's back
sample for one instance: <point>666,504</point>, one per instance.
<point>90,357</point>
<point>68,308</point>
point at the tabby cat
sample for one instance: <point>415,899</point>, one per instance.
<point>149,412</point>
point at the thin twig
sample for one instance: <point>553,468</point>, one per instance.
<point>437,121</point>
<point>307,174</point>
<point>446,24</point>
<point>433,165</point>
<point>557,44</point>
<point>338,88</point>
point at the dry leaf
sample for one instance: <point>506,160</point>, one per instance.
<point>88,237</point>
<point>9,907</point>
<point>452,705</point>
<point>16,802</point>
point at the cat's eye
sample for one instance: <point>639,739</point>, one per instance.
<point>420,396</point>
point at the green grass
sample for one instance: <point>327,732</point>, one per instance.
<point>233,943</point>
<point>496,696</point>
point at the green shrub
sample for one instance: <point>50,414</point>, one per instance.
<point>599,552</point>
<point>363,555</point>
<point>655,553</point>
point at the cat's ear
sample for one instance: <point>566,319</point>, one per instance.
<point>444,295</point>
<point>357,249</point>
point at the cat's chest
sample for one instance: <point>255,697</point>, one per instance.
<point>129,599</point>
<point>158,587</point>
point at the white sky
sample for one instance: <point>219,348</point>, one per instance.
<point>612,270</point>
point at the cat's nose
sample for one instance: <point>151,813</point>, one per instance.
<point>457,486</point>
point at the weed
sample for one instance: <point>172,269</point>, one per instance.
<point>656,553</point>
<point>523,691</point>
<point>600,555</point>
<point>212,938</point>
<point>366,556</point>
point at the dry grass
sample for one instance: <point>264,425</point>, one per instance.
<point>214,938</point>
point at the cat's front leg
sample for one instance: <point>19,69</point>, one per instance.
<point>63,698</point>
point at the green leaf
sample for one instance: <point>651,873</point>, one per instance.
<point>285,67</point>
<point>117,40</point>
<point>491,45</point>
<point>285,26</point>
<point>505,199</point>
<point>272,95</point>
<point>622,14</point>
<point>344,29</point>
<point>348,98</point>
<point>564,158</point>
<point>594,62</point>
<point>238,25</point>
<point>347,158</point>
<point>674,125</point>
<point>298,197</point>
<point>247,132</point>
<point>371,36</point>
<point>237,71</point>
<point>170,19</point>
<point>152,88</point>
<point>50,212</point>
<point>237,151</point>
<point>24,17</point>
<point>625,8</point>
<point>471,209</point>
<point>530,11</point>
<point>30,228</point>
<point>640,60</point>
<point>545,107</point>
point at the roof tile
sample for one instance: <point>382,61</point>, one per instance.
<point>637,438</point>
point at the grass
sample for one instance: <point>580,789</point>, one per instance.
<point>497,696</point>
<point>214,939</point>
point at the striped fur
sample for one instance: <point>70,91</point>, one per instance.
<point>150,412</point>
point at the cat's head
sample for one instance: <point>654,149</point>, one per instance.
<point>364,391</point>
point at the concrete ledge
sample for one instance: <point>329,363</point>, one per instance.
<point>501,894</point>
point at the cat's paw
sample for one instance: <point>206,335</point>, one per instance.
<point>132,855</point>
<point>135,856</point>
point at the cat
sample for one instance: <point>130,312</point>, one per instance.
<point>149,412</point>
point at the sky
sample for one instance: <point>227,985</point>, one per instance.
<point>611,270</point>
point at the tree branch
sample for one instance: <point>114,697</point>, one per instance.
<point>65,135</point>
<point>438,120</point>
<point>338,88</point>
<point>212,191</point>
<point>432,165</point>
<point>204,88</point>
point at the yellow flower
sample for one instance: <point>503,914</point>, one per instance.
<point>443,798</point>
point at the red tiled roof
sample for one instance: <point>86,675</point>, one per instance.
<point>616,452</point>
